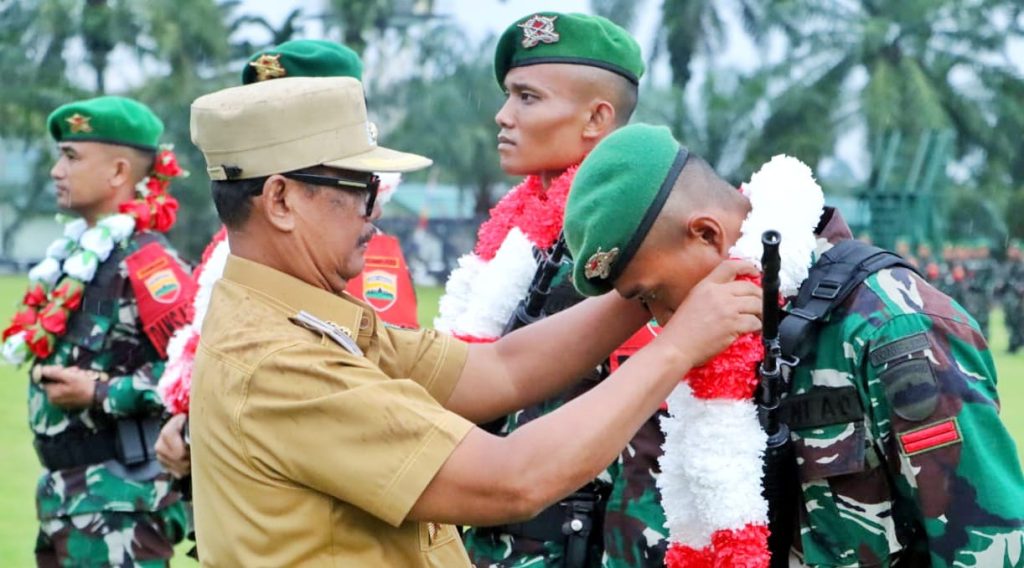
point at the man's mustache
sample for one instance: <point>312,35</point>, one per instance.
<point>366,238</point>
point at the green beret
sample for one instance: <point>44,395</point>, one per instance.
<point>113,120</point>
<point>303,58</point>
<point>618,192</point>
<point>581,39</point>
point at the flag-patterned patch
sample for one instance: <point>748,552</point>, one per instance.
<point>938,435</point>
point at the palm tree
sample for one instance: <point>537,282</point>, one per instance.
<point>446,109</point>
<point>907,66</point>
<point>717,123</point>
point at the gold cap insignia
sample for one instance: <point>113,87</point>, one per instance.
<point>268,67</point>
<point>539,29</point>
<point>600,263</point>
<point>79,123</point>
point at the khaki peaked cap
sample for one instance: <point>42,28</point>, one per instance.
<point>288,124</point>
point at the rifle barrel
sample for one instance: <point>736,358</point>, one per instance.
<point>770,265</point>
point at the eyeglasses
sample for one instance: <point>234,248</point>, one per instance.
<point>371,185</point>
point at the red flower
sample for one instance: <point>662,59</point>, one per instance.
<point>25,317</point>
<point>742,548</point>
<point>40,343</point>
<point>69,293</point>
<point>156,186</point>
<point>138,209</point>
<point>679,556</point>
<point>165,212</point>
<point>36,296</point>
<point>54,318</point>
<point>166,165</point>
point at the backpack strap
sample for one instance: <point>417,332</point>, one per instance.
<point>829,283</point>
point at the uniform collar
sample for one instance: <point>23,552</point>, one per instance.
<point>293,295</point>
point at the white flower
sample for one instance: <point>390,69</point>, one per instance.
<point>46,272</point>
<point>82,265</point>
<point>97,240</point>
<point>60,248</point>
<point>784,197</point>
<point>121,226</point>
<point>15,349</point>
<point>141,188</point>
<point>74,229</point>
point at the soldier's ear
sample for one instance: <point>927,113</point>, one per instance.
<point>706,230</point>
<point>600,122</point>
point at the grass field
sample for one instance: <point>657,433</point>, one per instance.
<point>19,467</point>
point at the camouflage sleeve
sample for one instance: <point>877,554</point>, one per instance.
<point>955,471</point>
<point>133,394</point>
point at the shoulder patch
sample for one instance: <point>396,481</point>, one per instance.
<point>911,388</point>
<point>896,349</point>
<point>163,293</point>
<point>340,335</point>
<point>933,436</point>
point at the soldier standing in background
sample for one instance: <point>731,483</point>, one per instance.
<point>1012,295</point>
<point>979,282</point>
<point>96,321</point>
<point>570,79</point>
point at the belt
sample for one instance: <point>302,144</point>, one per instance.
<point>76,448</point>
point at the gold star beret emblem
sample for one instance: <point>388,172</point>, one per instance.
<point>539,29</point>
<point>599,265</point>
<point>268,67</point>
<point>79,123</point>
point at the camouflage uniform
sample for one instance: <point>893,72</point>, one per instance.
<point>105,513</point>
<point>632,528</point>
<point>929,475</point>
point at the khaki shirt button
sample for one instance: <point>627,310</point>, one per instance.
<point>364,323</point>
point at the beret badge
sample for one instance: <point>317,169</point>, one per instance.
<point>79,123</point>
<point>599,265</point>
<point>539,29</point>
<point>268,67</point>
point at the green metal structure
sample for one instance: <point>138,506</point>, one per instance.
<point>905,192</point>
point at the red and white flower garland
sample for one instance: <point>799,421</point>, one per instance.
<point>485,288</point>
<point>57,283</point>
<point>711,470</point>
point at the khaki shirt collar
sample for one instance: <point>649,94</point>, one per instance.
<point>293,295</point>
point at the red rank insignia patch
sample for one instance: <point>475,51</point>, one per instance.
<point>939,435</point>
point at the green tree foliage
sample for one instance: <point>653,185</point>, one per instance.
<point>445,109</point>
<point>906,66</point>
<point>717,123</point>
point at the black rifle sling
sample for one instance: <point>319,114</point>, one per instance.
<point>829,283</point>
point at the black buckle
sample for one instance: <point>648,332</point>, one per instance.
<point>826,290</point>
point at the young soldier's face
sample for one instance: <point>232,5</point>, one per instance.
<point>82,174</point>
<point>542,120</point>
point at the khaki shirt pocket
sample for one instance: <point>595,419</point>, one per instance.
<point>436,535</point>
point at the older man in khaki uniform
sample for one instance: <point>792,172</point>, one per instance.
<point>321,437</point>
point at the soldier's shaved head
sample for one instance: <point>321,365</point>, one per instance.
<point>698,189</point>
<point>596,83</point>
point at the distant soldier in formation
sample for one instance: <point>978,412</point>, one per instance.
<point>1011,292</point>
